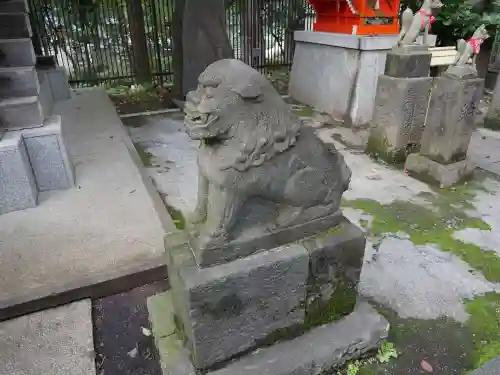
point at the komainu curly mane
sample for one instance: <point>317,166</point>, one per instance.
<point>262,124</point>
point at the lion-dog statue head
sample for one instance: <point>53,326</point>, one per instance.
<point>219,109</point>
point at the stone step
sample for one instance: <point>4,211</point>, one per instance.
<point>14,6</point>
<point>17,183</point>
<point>21,113</point>
<point>16,52</point>
<point>18,82</point>
<point>14,25</point>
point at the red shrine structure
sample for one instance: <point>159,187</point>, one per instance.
<point>357,17</point>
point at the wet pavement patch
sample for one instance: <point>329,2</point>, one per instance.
<point>122,339</point>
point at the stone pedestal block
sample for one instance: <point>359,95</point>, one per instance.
<point>262,237</point>
<point>21,113</point>
<point>16,52</point>
<point>320,351</point>
<point>275,294</point>
<point>408,62</point>
<point>443,175</point>
<point>14,25</point>
<point>14,6</point>
<point>227,309</point>
<point>17,184</point>
<point>399,117</point>
<point>48,156</point>
<point>16,82</point>
<point>451,118</point>
<point>337,73</point>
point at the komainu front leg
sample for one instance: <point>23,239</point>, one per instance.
<point>223,206</point>
<point>200,213</point>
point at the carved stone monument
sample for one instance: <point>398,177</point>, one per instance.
<point>400,104</point>
<point>267,261</point>
<point>450,123</point>
<point>33,157</point>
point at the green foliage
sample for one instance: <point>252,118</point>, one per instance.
<point>386,352</point>
<point>459,18</point>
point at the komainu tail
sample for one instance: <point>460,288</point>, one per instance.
<point>406,20</point>
<point>461,47</point>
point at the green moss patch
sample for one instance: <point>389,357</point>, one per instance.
<point>435,223</point>
<point>304,111</point>
<point>340,304</point>
<point>176,215</point>
<point>378,149</point>
<point>146,156</point>
<point>484,327</point>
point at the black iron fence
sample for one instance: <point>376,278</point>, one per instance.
<point>116,41</point>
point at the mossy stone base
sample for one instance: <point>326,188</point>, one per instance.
<point>335,262</point>
<point>432,172</point>
<point>334,344</point>
<point>274,295</point>
<point>379,149</point>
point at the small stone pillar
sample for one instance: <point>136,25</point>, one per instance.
<point>400,104</point>
<point>337,73</point>
<point>450,122</point>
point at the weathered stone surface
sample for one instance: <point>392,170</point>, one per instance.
<point>408,62</point>
<point>451,118</point>
<point>59,85</point>
<point>204,38</point>
<point>258,238</point>
<point>21,113</point>
<point>48,156</point>
<point>16,52</point>
<point>174,357</point>
<point>319,351</point>
<point>51,342</point>
<point>17,184</point>
<point>18,82</point>
<point>14,25</point>
<point>229,308</point>
<point>260,169</point>
<point>444,175</point>
<point>346,89</point>
<point>335,262</point>
<point>399,117</point>
<point>46,97</point>
<point>14,6</point>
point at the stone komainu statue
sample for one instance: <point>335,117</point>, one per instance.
<point>253,148</point>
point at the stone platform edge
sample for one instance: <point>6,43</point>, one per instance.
<point>321,349</point>
<point>100,285</point>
